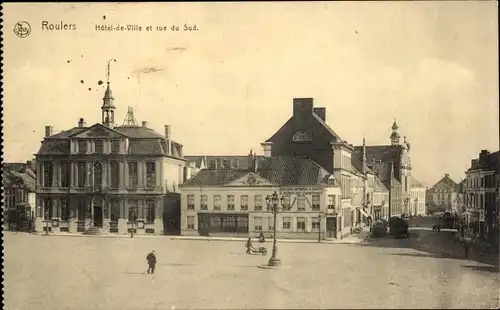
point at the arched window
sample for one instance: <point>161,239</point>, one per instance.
<point>302,136</point>
<point>98,175</point>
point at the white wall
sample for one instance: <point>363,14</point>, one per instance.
<point>173,170</point>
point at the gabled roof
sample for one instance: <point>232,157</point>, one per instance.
<point>446,182</point>
<point>95,127</point>
<point>327,128</point>
<point>236,161</point>
<point>284,171</point>
<point>138,132</point>
<point>67,133</point>
<point>414,183</point>
<point>379,186</point>
<point>288,170</point>
<point>384,153</point>
<point>212,177</point>
<point>12,178</point>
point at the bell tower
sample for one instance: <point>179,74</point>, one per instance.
<point>108,107</point>
<point>395,135</point>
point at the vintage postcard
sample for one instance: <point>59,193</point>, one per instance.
<point>250,155</point>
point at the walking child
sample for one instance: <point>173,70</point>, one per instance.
<point>151,258</point>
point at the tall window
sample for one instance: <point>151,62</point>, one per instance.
<point>230,202</point>
<point>204,202</point>
<point>315,202</point>
<point>301,203</point>
<point>115,174</point>
<point>47,209</point>
<point>217,200</point>
<point>99,146</point>
<point>190,222</point>
<point>244,203</point>
<point>65,174</point>
<point>132,174</point>
<point>258,202</point>
<point>331,202</point>
<point>301,224</point>
<point>150,212</point>
<point>48,174</point>
<point>97,175</point>
<point>151,174</point>
<point>257,222</point>
<point>287,202</point>
<point>64,210</point>
<point>132,210</point>
<point>315,224</point>
<point>115,146</point>
<point>82,174</point>
<point>82,210</point>
<point>270,222</point>
<point>115,210</point>
<point>82,146</point>
<point>190,202</point>
<point>287,223</point>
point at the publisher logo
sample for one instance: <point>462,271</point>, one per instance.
<point>22,29</point>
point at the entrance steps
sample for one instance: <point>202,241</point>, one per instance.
<point>95,231</point>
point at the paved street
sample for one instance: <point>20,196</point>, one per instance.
<point>105,273</point>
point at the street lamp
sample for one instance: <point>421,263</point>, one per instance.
<point>407,200</point>
<point>133,221</point>
<point>274,202</point>
<point>46,221</point>
<point>320,216</point>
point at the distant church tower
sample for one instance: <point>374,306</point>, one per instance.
<point>108,107</point>
<point>395,135</point>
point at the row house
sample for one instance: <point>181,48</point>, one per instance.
<point>105,177</point>
<point>444,195</point>
<point>417,198</point>
<point>18,181</point>
<point>233,201</point>
<point>481,193</point>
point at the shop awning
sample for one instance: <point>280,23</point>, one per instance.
<point>364,212</point>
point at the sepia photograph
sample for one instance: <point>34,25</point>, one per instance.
<point>250,155</point>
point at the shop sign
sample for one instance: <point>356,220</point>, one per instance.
<point>301,190</point>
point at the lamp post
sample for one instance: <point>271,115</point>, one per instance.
<point>320,216</point>
<point>273,203</point>
<point>133,221</point>
<point>407,200</point>
<point>46,221</point>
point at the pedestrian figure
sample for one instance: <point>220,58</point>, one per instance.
<point>261,238</point>
<point>151,258</point>
<point>249,245</point>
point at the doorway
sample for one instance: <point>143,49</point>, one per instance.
<point>97,216</point>
<point>331,227</point>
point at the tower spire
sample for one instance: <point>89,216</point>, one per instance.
<point>364,155</point>
<point>130,118</point>
<point>394,135</point>
<point>108,107</point>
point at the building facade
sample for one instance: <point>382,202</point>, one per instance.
<point>307,134</point>
<point>417,198</point>
<point>106,177</point>
<point>443,195</point>
<point>481,193</point>
<point>18,181</point>
<point>226,201</point>
<point>392,164</point>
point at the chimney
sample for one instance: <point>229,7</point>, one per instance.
<point>321,112</point>
<point>81,123</point>
<point>446,175</point>
<point>251,158</point>
<point>168,133</point>
<point>48,131</point>
<point>255,164</point>
<point>483,154</point>
<point>302,107</point>
<point>144,124</point>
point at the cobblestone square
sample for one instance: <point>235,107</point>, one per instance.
<point>109,273</point>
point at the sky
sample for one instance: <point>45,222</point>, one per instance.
<point>229,85</point>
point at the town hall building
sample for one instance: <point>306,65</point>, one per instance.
<point>106,178</point>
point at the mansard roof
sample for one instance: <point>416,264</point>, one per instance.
<point>284,171</point>
<point>142,141</point>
